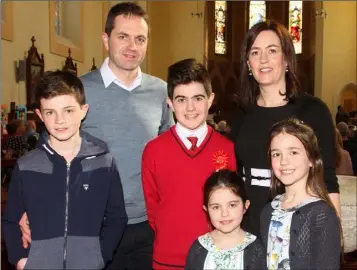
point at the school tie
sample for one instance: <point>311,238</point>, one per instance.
<point>193,141</point>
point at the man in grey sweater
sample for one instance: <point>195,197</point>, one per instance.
<point>127,108</point>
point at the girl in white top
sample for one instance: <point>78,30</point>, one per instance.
<point>300,227</point>
<point>227,246</point>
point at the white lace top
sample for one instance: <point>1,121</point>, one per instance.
<point>222,259</point>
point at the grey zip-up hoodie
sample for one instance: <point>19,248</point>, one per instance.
<point>76,210</point>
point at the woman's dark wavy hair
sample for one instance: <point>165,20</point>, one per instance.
<point>249,87</point>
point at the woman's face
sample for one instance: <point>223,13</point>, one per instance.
<point>266,60</point>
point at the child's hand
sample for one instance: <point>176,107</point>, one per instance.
<point>21,264</point>
<point>25,230</point>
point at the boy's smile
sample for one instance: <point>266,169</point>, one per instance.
<point>62,116</point>
<point>191,104</point>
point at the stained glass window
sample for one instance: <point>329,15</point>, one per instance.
<point>57,17</point>
<point>220,43</point>
<point>295,24</point>
<point>257,12</point>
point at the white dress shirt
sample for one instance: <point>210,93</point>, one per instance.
<point>109,77</point>
<point>183,133</point>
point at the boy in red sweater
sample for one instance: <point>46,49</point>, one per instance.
<point>176,164</point>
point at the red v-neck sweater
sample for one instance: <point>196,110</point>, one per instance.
<point>173,179</point>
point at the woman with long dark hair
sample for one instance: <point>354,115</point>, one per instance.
<point>270,92</point>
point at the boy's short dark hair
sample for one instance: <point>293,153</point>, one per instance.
<point>57,83</point>
<point>125,9</point>
<point>187,71</point>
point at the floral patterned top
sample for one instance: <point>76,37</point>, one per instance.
<point>279,233</point>
<point>220,259</point>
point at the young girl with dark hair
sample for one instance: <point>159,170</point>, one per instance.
<point>227,246</point>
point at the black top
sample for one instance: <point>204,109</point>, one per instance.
<point>18,144</point>
<point>250,132</point>
<point>314,236</point>
<point>254,256</point>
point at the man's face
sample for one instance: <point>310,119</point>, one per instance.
<point>127,43</point>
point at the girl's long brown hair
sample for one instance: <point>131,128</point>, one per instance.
<point>315,181</point>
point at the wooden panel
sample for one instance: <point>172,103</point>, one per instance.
<point>279,11</point>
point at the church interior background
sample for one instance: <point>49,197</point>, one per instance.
<point>46,35</point>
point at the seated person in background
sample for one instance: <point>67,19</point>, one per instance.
<point>353,133</point>
<point>4,136</point>
<point>341,116</point>
<point>31,129</point>
<point>343,159</point>
<point>223,127</point>
<point>348,144</point>
<point>15,144</point>
<point>31,135</point>
<point>31,142</point>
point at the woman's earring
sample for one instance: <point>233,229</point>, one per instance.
<point>250,72</point>
<point>286,70</point>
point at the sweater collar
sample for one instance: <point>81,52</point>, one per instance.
<point>183,133</point>
<point>109,77</point>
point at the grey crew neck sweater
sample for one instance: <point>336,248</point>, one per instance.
<point>126,121</point>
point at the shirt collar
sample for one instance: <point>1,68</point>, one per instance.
<point>109,77</point>
<point>183,133</point>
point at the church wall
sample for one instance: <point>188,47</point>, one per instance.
<point>27,24</point>
<point>175,34</point>
<point>336,57</point>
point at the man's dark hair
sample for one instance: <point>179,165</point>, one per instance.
<point>57,83</point>
<point>125,9</point>
<point>185,72</point>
